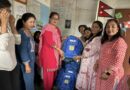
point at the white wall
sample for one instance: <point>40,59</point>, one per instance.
<point>41,9</point>
<point>115,4</point>
<point>19,9</point>
<point>78,11</point>
<point>84,12</point>
<point>33,6</point>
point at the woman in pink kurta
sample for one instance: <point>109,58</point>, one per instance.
<point>49,50</point>
<point>110,65</point>
<point>87,76</point>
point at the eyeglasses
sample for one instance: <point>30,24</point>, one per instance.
<point>55,19</point>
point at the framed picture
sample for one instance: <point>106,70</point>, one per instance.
<point>22,1</point>
<point>67,24</point>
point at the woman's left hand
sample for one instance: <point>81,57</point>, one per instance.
<point>61,54</point>
<point>11,21</point>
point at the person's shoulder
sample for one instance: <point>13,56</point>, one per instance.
<point>47,27</point>
<point>121,41</point>
<point>20,31</point>
<point>98,38</point>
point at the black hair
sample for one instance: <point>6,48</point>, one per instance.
<point>35,36</point>
<point>117,35</point>
<point>4,4</point>
<point>54,13</point>
<point>82,26</point>
<point>88,29</point>
<point>26,16</point>
<point>99,23</point>
<point>19,24</point>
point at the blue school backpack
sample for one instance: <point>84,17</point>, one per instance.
<point>72,46</point>
<point>67,75</point>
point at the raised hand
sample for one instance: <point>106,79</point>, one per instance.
<point>12,24</point>
<point>4,16</point>
<point>11,21</point>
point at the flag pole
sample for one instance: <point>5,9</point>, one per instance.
<point>96,17</point>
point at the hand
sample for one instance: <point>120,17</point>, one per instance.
<point>4,16</point>
<point>61,54</point>
<point>59,51</point>
<point>60,64</point>
<point>27,68</point>
<point>12,21</point>
<point>77,58</point>
<point>12,24</point>
<point>104,76</point>
<point>64,37</point>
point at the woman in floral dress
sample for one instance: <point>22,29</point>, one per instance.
<point>86,77</point>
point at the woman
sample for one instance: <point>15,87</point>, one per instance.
<point>37,79</point>
<point>36,39</point>
<point>49,50</point>
<point>27,50</point>
<point>110,65</point>
<point>86,77</point>
<point>87,34</point>
<point>9,72</point>
<point>82,29</point>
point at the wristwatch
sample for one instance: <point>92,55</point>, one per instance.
<point>107,73</point>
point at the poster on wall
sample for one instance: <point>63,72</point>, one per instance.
<point>19,10</point>
<point>45,2</point>
<point>67,24</point>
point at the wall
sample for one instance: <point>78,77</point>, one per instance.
<point>45,2</point>
<point>78,11</point>
<point>115,4</point>
<point>41,9</point>
<point>45,11</point>
<point>82,12</point>
<point>18,9</point>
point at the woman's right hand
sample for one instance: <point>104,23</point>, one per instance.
<point>77,58</point>
<point>4,16</point>
<point>59,51</point>
<point>27,68</point>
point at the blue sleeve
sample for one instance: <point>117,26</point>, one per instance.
<point>24,50</point>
